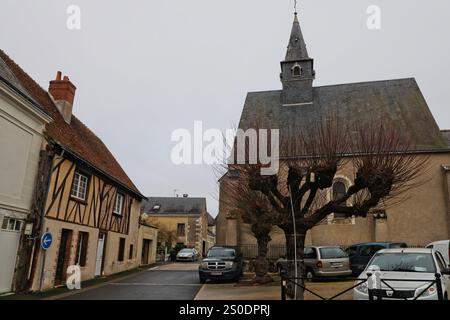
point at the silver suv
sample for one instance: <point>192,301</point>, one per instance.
<point>322,261</point>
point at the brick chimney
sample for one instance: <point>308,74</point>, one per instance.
<point>63,94</point>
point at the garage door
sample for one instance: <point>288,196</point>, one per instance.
<point>9,242</point>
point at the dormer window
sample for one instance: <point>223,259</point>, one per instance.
<point>296,71</point>
<point>156,207</point>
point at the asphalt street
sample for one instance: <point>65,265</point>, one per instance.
<point>168,282</point>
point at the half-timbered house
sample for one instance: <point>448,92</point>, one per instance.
<point>83,198</point>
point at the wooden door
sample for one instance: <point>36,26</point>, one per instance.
<point>63,256</point>
<point>145,250</point>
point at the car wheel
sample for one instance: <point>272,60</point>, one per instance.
<point>309,275</point>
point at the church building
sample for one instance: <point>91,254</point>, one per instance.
<point>422,218</point>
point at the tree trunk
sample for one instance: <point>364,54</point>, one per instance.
<point>295,244</point>
<point>261,263</point>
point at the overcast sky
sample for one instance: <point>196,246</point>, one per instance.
<point>144,68</point>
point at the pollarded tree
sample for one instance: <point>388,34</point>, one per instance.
<point>254,209</point>
<point>381,158</point>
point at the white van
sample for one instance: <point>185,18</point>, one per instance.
<point>443,247</point>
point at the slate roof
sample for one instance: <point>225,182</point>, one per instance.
<point>76,137</point>
<point>446,134</point>
<point>297,47</point>
<point>174,205</point>
<point>399,103</point>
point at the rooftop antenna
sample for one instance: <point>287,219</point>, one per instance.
<point>295,7</point>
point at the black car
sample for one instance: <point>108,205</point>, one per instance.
<point>221,263</point>
<point>361,253</point>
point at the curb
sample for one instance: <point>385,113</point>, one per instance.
<point>199,291</point>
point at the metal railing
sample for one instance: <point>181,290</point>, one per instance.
<point>250,251</point>
<point>275,251</point>
<point>374,293</point>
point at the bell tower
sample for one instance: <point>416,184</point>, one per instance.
<point>297,70</point>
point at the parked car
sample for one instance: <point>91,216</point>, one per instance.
<point>361,253</point>
<point>322,261</point>
<point>221,263</point>
<point>188,254</point>
<point>417,266</point>
<point>443,247</point>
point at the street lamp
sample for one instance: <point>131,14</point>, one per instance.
<point>304,171</point>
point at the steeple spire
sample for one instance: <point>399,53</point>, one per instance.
<point>297,69</point>
<point>297,48</point>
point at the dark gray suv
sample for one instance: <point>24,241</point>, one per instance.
<point>221,263</point>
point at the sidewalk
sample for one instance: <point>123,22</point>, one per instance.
<point>230,291</point>
<point>271,291</point>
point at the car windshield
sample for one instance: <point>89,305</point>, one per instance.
<point>404,262</point>
<point>332,253</point>
<point>221,253</point>
<point>186,251</point>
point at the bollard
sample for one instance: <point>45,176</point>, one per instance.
<point>283,289</point>
<point>283,284</point>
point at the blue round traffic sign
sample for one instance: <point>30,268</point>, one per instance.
<point>46,240</point>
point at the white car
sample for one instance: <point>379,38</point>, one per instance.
<point>188,254</point>
<point>443,247</point>
<point>417,266</point>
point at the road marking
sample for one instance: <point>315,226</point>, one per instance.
<point>154,268</point>
<point>154,284</point>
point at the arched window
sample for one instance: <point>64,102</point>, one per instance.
<point>297,71</point>
<point>339,191</point>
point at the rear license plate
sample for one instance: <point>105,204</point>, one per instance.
<point>336,265</point>
<point>216,273</point>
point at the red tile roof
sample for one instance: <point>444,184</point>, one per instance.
<point>76,137</point>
